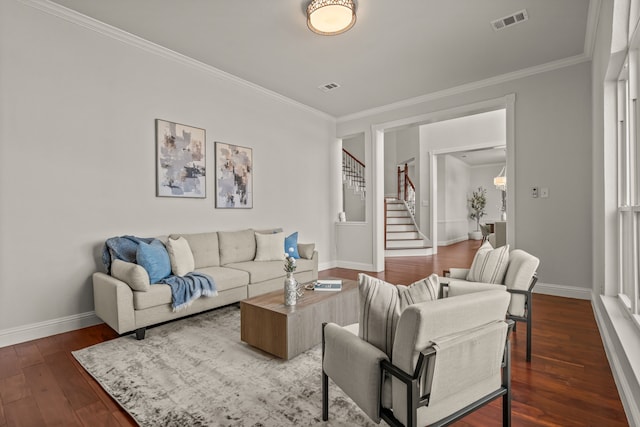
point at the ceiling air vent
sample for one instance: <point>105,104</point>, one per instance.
<point>507,21</point>
<point>328,87</point>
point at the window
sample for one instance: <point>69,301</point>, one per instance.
<point>629,187</point>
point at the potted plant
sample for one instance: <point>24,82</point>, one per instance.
<point>477,203</point>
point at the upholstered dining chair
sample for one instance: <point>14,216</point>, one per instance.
<point>450,357</point>
<point>518,278</point>
<point>486,232</point>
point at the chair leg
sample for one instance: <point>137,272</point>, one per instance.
<point>529,319</point>
<point>325,397</point>
<point>325,383</point>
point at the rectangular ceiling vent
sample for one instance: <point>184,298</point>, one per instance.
<point>328,87</point>
<point>507,21</point>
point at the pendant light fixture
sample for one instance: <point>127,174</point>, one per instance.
<point>331,17</point>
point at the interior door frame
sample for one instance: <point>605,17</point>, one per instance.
<point>506,102</point>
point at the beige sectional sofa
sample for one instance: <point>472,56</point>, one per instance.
<point>227,256</point>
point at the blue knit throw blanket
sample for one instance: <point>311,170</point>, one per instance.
<point>184,289</point>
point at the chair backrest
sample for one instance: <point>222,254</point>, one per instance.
<point>522,267</point>
<point>463,324</point>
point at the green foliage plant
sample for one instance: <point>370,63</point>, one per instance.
<point>477,203</point>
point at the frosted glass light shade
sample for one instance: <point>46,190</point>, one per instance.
<point>500,181</point>
<point>331,17</point>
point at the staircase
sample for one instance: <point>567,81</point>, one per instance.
<point>402,237</point>
<point>353,173</point>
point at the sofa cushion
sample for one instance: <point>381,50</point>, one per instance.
<point>270,247</point>
<point>291,245</point>
<point>132,274</point>
<point>204,247</point>
<point>489,265</point>
<point>156,295</point>
<point>155,259</point>
<point>226,278</point>
<point>180,255</point>
<point>237,246</point>
<point>267,270</point>
<point>306,250</point>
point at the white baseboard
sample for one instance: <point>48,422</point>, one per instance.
<point>44,329</point>
<point>452,241</point>
<point>355,266</point>
<point>621,341</point>
<point>562,291</point>
<point>327,265</point>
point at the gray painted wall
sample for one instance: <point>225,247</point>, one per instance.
<point>77,158</point>
<point>552,149</point>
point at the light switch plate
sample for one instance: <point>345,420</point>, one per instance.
<point>544,192</point>
<point>534,192</point>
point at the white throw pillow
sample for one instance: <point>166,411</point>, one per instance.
<point>269,247</point>
<point>427,289</point>
<point>132,274</point>
<point>382,303</point>
<point>489,265</point>
<point>180,255</point>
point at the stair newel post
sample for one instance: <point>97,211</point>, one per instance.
<point>406,175</point>
<point>399,181</point>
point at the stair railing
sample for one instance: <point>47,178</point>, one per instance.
<point>407,193</point>
<point>353,173</point>
<point>406,189</point>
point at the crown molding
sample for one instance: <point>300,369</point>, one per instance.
<point>549,66</point>
<point>112,32</point>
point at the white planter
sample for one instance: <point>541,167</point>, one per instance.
<point>475,235</point>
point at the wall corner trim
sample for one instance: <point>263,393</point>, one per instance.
<point>621,341</point>
<point>47,328</point>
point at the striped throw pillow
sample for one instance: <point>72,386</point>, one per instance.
<point>382,303</point>
<point>489,265</point>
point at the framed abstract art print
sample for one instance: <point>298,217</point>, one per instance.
<point>180,160</point>
<point>234,176</point>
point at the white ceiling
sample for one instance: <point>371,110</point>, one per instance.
<point>487,156</point>
<point>397,50</point>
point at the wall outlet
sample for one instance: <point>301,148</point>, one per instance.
<point>544,192</point>
<point>534,192</point>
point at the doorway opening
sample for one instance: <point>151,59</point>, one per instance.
<point>427,158</point>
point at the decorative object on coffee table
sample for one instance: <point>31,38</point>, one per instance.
<point>234,176</point>
<point>290,283</point>
<point>180,160</point>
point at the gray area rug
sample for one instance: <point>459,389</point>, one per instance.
<point>197,372</point>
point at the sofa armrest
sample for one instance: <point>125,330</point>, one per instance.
<point>113,301</point>
<point>354,365</point>
<point>458,273</point>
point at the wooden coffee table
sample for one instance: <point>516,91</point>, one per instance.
<point>266,323</point>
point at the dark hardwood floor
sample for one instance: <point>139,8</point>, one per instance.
<point>567,383</point>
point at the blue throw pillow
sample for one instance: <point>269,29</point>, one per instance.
<point>155,259</point>
<point>291,245</point>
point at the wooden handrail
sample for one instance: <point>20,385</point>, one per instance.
<point>353,157</point>
<point>404,183</point>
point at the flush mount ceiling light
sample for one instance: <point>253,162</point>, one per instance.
<point>331,17</point>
